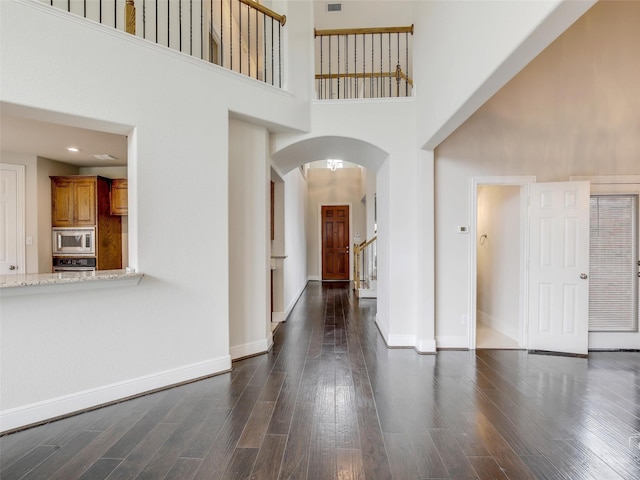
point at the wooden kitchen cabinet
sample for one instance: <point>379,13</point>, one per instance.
<point>84,201</point>
<point>119,196</point>
<point>74,200</point>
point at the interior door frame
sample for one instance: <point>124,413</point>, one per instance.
<point>20,214</point>
<point>522,181</point>
<point>613,185</point>
<point>334,204</point>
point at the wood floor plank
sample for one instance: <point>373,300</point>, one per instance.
<point>346,414</point>
<point>61,456</point>
<point>142,454</point>
<point>199,444</point>
<point>374,455</point>
<point>487,468</point>
<point>256,427</point>
<point>457,465</point>
<point>241,464</point>
<point>296,456</point>
<point>349,463</point>
<point>403,462</point>
<point>141,429</point>
<point>171,450</point>
<point>283,410</point>
<point>502,452</point>
<point>222,450</point>
<point>100,469</point>
<point>28,462</point>
<point>331,401</point>
<point>267,466</point>
<point>322,451</point>
<point>94,450</point>
<point>272,388</point>
<point>184,469</point>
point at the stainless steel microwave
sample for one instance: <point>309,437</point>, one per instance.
<point>74,241</point>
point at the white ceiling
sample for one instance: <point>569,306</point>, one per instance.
<point>50,140</point>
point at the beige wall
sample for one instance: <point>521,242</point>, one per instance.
<point>324,187</point>
<point>574,110</point>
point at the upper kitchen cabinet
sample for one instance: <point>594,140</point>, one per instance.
<point>75,200</point>
<point>119,196</point>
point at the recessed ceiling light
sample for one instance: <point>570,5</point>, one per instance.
<point>104,156</point>
<point>73,149</point>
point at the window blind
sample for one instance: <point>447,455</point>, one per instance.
<point>613,271</point>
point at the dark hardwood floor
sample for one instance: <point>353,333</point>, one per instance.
<point>332,402</point>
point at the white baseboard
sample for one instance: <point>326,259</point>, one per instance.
<point>407,341</point>
<point>293,302</point>
<point>278,317</point>
<point>426,346</point>
<point>382,327</point>
<point>367,293</point>
<point>314,278</point>
<point>452,342</point>
<point>248,349</point>
<point>17,417</point>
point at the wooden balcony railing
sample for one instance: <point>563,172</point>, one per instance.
<point>241,35</point>
<point>364,62</point>
<point>365,264</point>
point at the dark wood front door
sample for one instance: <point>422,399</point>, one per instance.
<point>335,242</point>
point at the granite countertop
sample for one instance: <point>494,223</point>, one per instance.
<point>10,284</point>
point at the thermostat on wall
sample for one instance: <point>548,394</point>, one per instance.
<point>463,229</point>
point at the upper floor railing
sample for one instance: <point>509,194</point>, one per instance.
<point>241,35</point>
<point>364,62</point>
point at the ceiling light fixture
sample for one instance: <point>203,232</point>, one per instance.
<point>333,164</point>
<point>104,156</point>
<point>73,149</point>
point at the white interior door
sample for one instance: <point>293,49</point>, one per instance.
<point>559,267</point>
<point>11,219</point>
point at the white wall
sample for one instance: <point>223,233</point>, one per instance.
<point>295,265</point>
<point>68,351</point>
<point>498,258</point>
<point>249,240</point>
<point>326,187</point>
<point>572,111</point>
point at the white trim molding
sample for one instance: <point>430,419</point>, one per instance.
<point>459,343</point>
<point>38,412</point>
<point>293,302</point>
<point>523,181</point>
<point>21,258</point>
<point>249,349</point>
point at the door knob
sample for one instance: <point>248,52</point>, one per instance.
<point>12,267</point>
<point>584,276</point>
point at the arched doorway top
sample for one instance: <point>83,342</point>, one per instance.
<point>325,147</point>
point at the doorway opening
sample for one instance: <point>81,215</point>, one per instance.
<point>499,239</point>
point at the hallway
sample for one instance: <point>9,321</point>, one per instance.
<point>330,401</point>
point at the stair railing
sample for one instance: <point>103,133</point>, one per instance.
<point>364,62</point>
<point>241,35</point>
<point>365,264</point>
